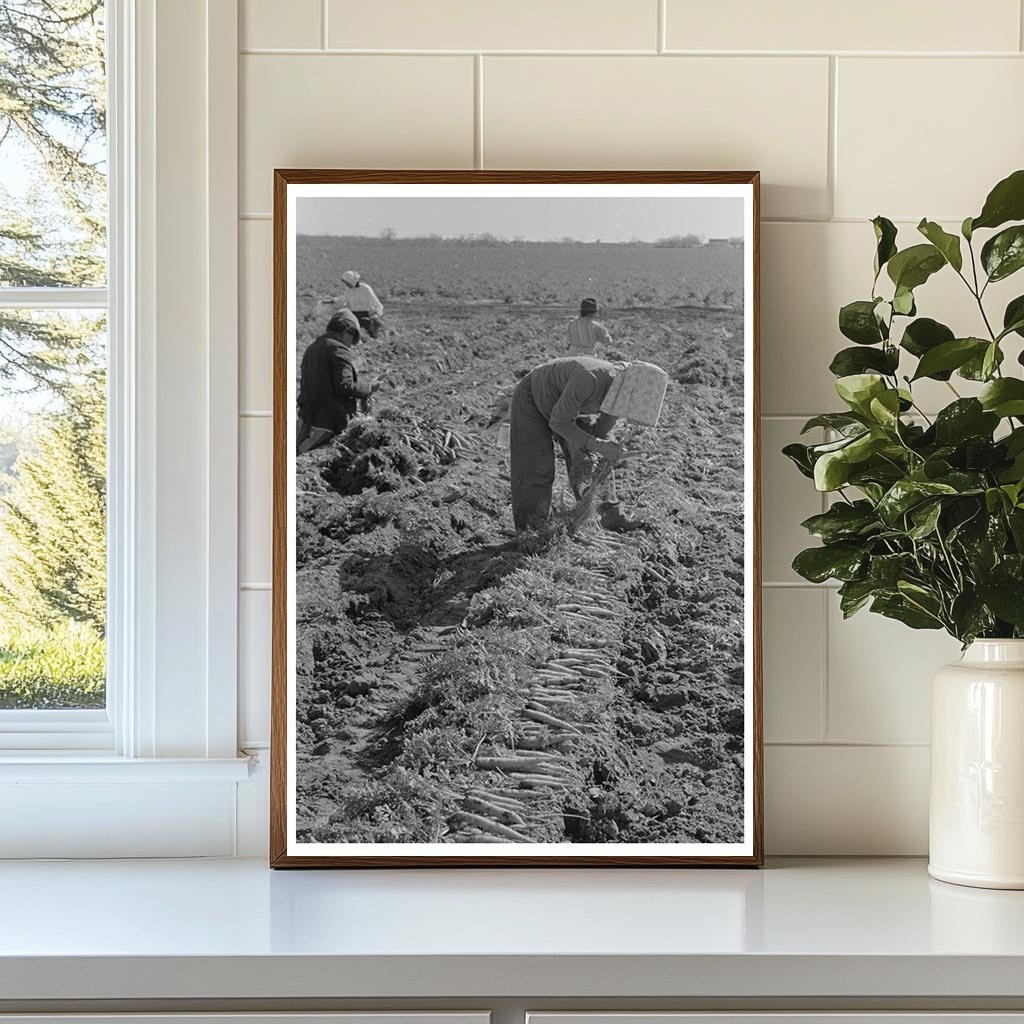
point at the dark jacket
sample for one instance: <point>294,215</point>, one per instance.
<point>329,388</point>
<point>567,388</point>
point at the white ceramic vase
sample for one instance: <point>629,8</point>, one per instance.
<point>976,815</point>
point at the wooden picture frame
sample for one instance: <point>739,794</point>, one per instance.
<point>460,846</point>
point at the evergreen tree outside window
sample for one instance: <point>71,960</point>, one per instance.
<point>53,359</point>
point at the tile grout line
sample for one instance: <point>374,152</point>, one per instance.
<point>831,170</point>
<point>826,652</point>
<point>258,51</point>
<point>259,215</point>
<point>852,744</point>
<point>662,41</point>
<point>1020,24</point>
<point>825,724</point>
<point>478,111</point>
<point>323,24</point>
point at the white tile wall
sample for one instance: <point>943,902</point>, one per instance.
<point>874,25</point>
<point>795,638</point>
<point>699,113</point>
<point>879,677</point>
<point>971,110</point>
<point>262,24</point>
<point>472,25</point>
<point>332,110</point>
<point>910,109</point>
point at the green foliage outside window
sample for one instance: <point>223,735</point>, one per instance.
<point>52,366</point>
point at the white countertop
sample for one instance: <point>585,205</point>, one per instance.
<point>234,929</point>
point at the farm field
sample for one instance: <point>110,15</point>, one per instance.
<point>457,683</point>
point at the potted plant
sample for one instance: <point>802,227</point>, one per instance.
<point>927,521</point>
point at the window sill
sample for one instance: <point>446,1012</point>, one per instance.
<point>79,767</point>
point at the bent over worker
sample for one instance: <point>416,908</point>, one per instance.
<point>330,392</point>
<point>361,299</point>
<point>588,336</point>
<point>547,406</point>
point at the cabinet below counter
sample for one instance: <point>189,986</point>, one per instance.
<point>219,940</point>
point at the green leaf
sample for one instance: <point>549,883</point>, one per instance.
<point>950,355</point>
<point>897,607</point>
<point>799,455</point>
<point>885,409</point>
<point>906,494</point>
<point>831,471</point>
<point>887,570</point>
<point>849,361</point>
<point>885,237</point>
<point>857,321</point>
<point>974,368</point>
<point>1005,202</point>
<point>1013,317</point>
<point>995,499</point>
<point>858,389</point>
<point>855,594</point>
<point>818,450</point>
<point>963,482</point>
<point>841,421</point>
<point>1015,520</point>
<point>1004,397</point>
<point>843,521</point>
<point>1014,441</point>
<point>912,267</point>
<point>966,417</point>
<point>1003,254</point>
<point>925,334</point>
<point>842,561</point>
<point>990,360</point>
<point>864,447</point>
<point>965,229</point>
<point>1005,596</point>
<point>903,302</point>
<point>925,518</point>
<point>970,617</point>
<point>947,244</point>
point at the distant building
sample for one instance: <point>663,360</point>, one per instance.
<point>718,241</point>
<point>735,243</point>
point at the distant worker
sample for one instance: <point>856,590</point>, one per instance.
<point>330,392</point>
<point>359,297</point>
<point>546,407</point>
<point>586,334</point>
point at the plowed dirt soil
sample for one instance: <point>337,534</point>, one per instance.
<point>459,684</point>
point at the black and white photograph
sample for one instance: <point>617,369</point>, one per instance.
<point>515,547</point>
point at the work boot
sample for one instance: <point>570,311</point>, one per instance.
<point>611,518</point>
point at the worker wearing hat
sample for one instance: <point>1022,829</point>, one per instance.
<point>330,392</point>
<point>356,295</point>
<point>546,407</point>
<point>587,336</point>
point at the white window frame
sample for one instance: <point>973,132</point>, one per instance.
<point>171,719</point>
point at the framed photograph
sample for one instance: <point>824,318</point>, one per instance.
<point>516,615</point>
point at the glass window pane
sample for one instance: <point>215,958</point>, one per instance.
<point>52,509</point>
<point>53,150</point>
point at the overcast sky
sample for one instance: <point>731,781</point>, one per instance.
<point>541,219</point>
